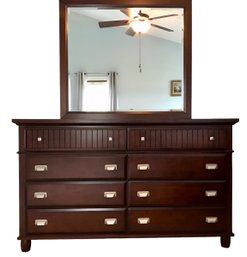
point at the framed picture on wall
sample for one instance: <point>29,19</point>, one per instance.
<point>176,87</point>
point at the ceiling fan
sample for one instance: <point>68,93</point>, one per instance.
<point>140,23</point>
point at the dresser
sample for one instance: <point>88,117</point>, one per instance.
<point>80,180</point>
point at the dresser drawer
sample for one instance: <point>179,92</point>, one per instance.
<point>75,166</point>
<point>187,137</point>
<point>75,194</point>
<point>178,166</point>
<point>178,221</point>
<point>75,138</point>
<point>176,194</point>
<point>75,221</point>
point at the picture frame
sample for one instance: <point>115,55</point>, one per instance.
<point>176,87</point>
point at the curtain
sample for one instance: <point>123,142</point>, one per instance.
<point>113,92</point>
<point>80,86</point>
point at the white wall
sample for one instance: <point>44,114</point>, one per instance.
<point>29,84</point>
<point>92,49</point>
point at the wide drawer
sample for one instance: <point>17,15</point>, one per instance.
<point>75,221</point>
<point>75,167</point>
<point>178,166</point>
<point>178,221</point>
<point>176,194</point>
<point>75,194</point>
<point>178,137</point>
<point>75,138</point>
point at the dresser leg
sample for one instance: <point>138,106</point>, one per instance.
<point>25,245</point>
<point>225,241</point>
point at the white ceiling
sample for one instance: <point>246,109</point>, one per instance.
<point>175,23</point>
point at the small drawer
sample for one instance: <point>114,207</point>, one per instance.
<point>176,194</point>
<point>66,166</point>
<point>75,221</point>
<point>75,138</point>
<point>177,137</point>
<point>76,194</point>
<point>177,221</point>
<point>178,166</point>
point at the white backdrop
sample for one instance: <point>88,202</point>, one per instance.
<point>29,88</point>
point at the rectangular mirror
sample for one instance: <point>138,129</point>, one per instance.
<point>113,71</point>
<point>114,68</point>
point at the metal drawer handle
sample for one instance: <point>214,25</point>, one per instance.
<point>110,221</point>
<point>211,166</point>
<point>143,220</point>
<point>110,139</point>
<point>211,193</point>
<point>211,138</point>
<point>143,167</point>
<point>41,222</point>
<point>110,194</point>
<point>39,139</point>
<point>40,195</point>
<point>110,167</point>
<point>40,168</point>
<point>142,139</point>
<point>143,194</point>
<point>211,220</point>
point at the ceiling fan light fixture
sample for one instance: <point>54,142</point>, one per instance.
<point>140,26</point>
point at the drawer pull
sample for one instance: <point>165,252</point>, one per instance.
<point>143,220</point>
<point>143,194</point>
<point>143,167</point>
<point>110,194</point>
<point>39,139</point>
<point>40,168</point>
<point>211,193</point>
<point>211,220</point>
<point>110,167</point>
<point>110,139</point>
<point>40,195</point>
<point>211,138</point>
<point>41,222</point>
<point>143,139</point>
<point>110,221</point>
<point>211,166</point>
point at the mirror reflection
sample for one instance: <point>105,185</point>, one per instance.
<point>125,59</point>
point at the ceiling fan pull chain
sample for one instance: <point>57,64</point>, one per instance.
<point>140,53</point>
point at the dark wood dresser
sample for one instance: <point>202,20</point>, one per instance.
<point>82,180</point>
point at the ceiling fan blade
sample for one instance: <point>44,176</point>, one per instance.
<point>130,32</point>
<point>160,27</point>
<point>126,11</point>
<point>105,24</point>
<point>163,16</point>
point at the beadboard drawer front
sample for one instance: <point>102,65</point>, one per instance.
<point>176,194</point>
<point>51,166</point>
<point>178,166</point>
<point>76,194</point>
<point>180,221</point>
<point>199,137</point>
<point>75,221</point>
<point>78,138</point>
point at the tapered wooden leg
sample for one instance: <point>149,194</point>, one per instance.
<point>25,245</point>
<point>225,241</point>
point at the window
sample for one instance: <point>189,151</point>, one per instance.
<point>96,93</point>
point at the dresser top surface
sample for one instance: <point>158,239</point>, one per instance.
<point>67,122</point>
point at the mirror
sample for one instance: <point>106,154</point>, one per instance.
<point>113,68</point>
<point>108,70</point>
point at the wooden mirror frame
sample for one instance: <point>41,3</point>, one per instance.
<point>123,117</point>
